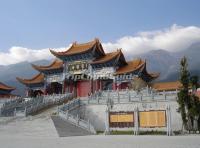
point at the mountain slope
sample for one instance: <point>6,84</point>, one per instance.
<point>160,61</point>
<point>9,73</point>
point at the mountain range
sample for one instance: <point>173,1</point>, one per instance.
<point>160,60</point>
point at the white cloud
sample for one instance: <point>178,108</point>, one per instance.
<point>20,54</point>
<point>173,39</point>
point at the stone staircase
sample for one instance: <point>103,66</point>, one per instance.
<point>65,128</point>
<point>64,112</point>
<point>33,105</point>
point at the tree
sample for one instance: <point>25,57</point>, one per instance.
<point>194,82</point>
<point>183,95</point>
<point>189,103</point>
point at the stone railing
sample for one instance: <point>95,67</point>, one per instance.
<point>32,105</point>
<point>47,102</point>
<point>126,95</point>
<point>70,105</point>
<point>64,110</point>
<point>75,120</point>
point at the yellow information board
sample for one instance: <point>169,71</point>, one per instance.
<point>121,118</point>
<point>152,118</point>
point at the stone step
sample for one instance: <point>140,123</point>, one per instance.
<point>66,129</point>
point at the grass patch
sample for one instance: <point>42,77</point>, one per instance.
<point>140,133</point>
<point>99,132</point>
<point>121,133</point>
<point>152,133</point>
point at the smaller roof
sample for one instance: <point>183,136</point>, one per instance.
<point>39,78</point>
<point>108,56</point>
<point>56,64</point>
<point>130,67</point>
<point>6,87</point>
<point>166,86</point>
<point>154,75</point>
<point>78,48</point>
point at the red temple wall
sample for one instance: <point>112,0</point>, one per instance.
<point>123,85</point>
<point>83,88</point>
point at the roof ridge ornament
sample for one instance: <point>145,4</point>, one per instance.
<point>96,39</point>
<point>74,43</point>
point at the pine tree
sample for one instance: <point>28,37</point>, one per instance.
<point>189,103</point>
<point>183,95</point>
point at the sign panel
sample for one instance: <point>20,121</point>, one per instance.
<point>55,78</point>
<point>121,119</point>
<point>152,119</point>
<point>78,67</point>
<point>106,72</point>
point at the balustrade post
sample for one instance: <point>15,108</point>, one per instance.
<point>176,94</point>
<point>88,124</point>
<point>58,110</point>
<point>77,120</point>
<point>129,96</point>
<point>118,97</point>
<point>98,98</point>
<point>67,114</point>
<point>152,96</point>
<point>108,95</point>
<point>15,112</point>
<point>165,95</point>
<point>25,112</point>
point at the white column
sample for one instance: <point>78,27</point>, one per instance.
<point>107,129</point>
<point>136,122</point>
<point>168,112</point>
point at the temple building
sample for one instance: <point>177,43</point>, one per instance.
<point>84,69</point>
<point>5,91</point>
<point>167,86</point>
<point>35,85</point>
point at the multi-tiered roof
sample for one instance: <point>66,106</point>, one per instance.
<point>94,52</point>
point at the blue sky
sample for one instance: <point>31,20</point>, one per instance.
<point>29,27</point>
<point>54,23</point>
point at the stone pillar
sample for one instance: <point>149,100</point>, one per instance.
<point>63,87</point>
<point>45,86</point>
<point>136,122</point>
<point>107,128</point>
<point>114,84</point>
<point>169,128</point>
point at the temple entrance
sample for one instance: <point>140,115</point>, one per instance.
<point>123,85</point>
<point>83,88</point>
<point>35,93</point>
<point>54,88</point>
<point>107,84</point>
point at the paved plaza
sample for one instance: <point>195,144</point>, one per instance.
<point>102,141</point>
<point>39,132</point>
